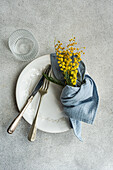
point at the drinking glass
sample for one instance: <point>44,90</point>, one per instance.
<point>23,45</point>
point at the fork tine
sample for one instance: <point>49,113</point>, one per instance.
<point>47,84</point>
<point>44,86</point>
<point>47,69</point>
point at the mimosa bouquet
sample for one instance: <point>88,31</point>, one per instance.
<point>68,59</point>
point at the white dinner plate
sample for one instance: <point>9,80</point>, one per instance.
<point>51,117</point>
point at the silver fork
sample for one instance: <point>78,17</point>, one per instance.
<point>43,90</point>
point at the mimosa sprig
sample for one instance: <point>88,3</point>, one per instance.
<point>68,66</point>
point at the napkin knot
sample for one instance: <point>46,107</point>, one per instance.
<point>79,103</point>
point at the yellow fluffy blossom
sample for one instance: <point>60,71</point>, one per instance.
<point>69,65</point>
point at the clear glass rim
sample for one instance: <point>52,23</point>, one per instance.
<point>35,45</point>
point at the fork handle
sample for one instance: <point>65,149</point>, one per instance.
<point>33,130</point>
<point>15,122</point>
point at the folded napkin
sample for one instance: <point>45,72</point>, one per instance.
<point>80,102</point>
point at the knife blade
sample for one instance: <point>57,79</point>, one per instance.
<point>40,83</point>
<point>15,122</point>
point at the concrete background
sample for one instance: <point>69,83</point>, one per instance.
<point>91,21</point>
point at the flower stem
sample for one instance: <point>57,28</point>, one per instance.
<point>53,80</point>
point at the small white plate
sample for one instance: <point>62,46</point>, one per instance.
<point>51,117</point>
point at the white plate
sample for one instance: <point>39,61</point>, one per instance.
<point>51,117</point>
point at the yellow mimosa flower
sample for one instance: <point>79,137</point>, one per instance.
<point>72,72</point>
<point>72,80</point>
<point>61,59</point>
<point>66,64</point>
<point>63,66</point>
<point>74,83</point>
<point>71,77</point>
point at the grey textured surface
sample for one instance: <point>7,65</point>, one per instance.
<point>91,21</point>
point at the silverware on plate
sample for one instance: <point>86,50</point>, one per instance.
<point>15,122</point>
<point>43,90</point>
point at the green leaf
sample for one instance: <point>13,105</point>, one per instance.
<point>53,80</point>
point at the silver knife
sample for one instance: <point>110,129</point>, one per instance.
<point>15,122</point>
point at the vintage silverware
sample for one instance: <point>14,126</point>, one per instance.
<point>15,122</point>
<point>43,90</point>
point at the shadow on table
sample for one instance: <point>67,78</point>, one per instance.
<point>5,42</point>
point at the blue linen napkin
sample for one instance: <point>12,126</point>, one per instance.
<point>80,102</point>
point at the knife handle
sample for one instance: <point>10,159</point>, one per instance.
<point>15,122</point>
